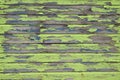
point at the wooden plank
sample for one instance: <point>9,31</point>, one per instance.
<point>69,2</point>
<point>77,38</point>
<point>60,38</point>
<point>61,29</point>
<point>38,22</point>
<point>63,76</point>
<point>36,6</point>
<point>23,9</point>
<point>60,17</point>
<point>20,48</point>
<point>59,57</point>
<point>58,67</point>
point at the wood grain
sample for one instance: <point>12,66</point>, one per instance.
<point>59,57</point>
<point>59,40</point>
<point>63,75</point>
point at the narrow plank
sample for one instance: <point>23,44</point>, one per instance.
<point>47,10</point>
<point>37,6</point>
<point>61,29</point>
<point>20,48</point>
<point>71,2</point>
<point>20,12</point>
<point>63,76</point>
<point>78,38</point>
<point>60,17</point>
<point>59,57</point>
<point>38,22</point>
<point>58,67</point>
<point>60,38</point>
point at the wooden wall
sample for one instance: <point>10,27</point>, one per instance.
<point>59,40</point>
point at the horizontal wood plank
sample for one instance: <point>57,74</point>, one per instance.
<point>60,38</point>
<point>63,75</point>
<point>38,22</point>
<point>23,9</point>
<point>59,57</point>
<point>58,67</point>
<point>60,29</point>
<point>20,48</point>
<point>60,17</point>
<point>69,2</point>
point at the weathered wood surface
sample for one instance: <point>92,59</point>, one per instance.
<point>60,48</point>
<point>61,2</point>
<point>63,76</point>
<point>59,57</point>
<point>61,29</point>
<point>59,40</point>
<point>59,67</point>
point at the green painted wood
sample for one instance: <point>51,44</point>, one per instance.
<point>64,75</point>
<point>60,17</point>
<point>59,40</point>
<point>70,2</point>
<point>58,67</point>
<point>63,10</point>
<point>16,47</point>
<point>61,29</point>
<point>15,22</point>
<point>59,57</point>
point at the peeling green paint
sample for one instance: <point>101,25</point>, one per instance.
<point>66,57</point>
<point>103,2</point>
<point>64,75</point>
<point>59,40</point>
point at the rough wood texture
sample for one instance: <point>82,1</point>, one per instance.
<point>59,40</point>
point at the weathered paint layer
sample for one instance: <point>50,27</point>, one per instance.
<point>59,40</point>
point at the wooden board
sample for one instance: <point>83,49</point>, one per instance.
<point>60,57</point>
<point>63,76</point>
<point>59,40</point>
<point>61,29</point>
